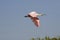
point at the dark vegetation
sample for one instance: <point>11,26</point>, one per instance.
<point>47,38</point>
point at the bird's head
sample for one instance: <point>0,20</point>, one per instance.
<point>25,16</point>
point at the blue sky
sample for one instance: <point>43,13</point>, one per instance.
<point>13,25</point>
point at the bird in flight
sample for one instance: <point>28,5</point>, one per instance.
<point>34,17</point>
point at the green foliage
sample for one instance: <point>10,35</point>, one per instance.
<point>54,39</point>
<point>38,38</point>
<point>47,38</point>
<point>33,39</point>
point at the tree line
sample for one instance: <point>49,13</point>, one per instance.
<point>47,38</point>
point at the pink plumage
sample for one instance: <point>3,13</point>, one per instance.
<point>33,16</point>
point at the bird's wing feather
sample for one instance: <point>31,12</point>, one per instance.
<point>36,21</point>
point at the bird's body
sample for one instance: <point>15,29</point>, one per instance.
<point>33,16</point>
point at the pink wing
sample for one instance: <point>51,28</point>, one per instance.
<point>36,21</point>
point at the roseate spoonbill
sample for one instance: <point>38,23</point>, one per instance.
<point>33,16</point>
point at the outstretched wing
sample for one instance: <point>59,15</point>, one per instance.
<point>36,21</point>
